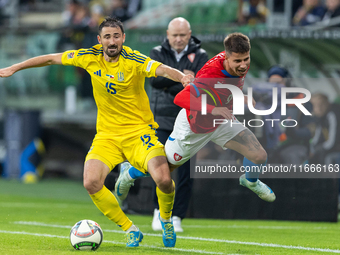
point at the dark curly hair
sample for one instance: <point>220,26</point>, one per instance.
<point>111,22</point>
<point>236,42</point>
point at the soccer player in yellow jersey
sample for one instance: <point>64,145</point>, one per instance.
<point>125,124</point>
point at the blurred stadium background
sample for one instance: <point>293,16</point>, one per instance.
<point>54,104</point>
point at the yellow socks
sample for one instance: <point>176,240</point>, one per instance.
<point>108,205</point>
<point>165,202</point>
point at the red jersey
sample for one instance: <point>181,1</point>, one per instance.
<point>211,73</point>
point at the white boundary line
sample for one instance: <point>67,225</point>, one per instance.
<point>199,239</point>
<point>194,226</point>
<point>247,227</point>
<point>39,205</point>
<point>104,241</point>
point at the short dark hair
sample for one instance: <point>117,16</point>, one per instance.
<point>111,22</point>
<point>236,42</point>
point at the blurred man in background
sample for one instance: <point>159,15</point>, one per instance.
<point>325,145</point>
<point>294,141</point>
<point>289,145</point>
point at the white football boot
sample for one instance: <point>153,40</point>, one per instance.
<point>259,188</point>
<point>124,182</point>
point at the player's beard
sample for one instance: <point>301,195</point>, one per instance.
<point>115,54</point>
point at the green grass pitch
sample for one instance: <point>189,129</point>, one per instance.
<point>37,218</point>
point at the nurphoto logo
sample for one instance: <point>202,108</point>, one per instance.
<point>238,104</point>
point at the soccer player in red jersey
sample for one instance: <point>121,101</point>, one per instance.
<point>193,129</point>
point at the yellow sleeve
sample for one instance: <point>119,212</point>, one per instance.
<point>147,67</point>
<point>72,58</point>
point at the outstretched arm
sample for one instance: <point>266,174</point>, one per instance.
<point>44,60</point>
<point>161,82</point>
<point>174,74</point>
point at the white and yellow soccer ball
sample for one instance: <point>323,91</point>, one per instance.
<point>86,235</point>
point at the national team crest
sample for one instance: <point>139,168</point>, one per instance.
<point>177,157</point>
<point>120,76</point>
<point>191,57</point>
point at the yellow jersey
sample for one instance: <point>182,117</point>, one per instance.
<point>118,88</point>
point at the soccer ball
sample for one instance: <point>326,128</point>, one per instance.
<point>86,235</point>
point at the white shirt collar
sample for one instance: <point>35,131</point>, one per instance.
<point>181,54</point>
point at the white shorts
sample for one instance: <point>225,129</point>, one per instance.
<point>182,144</point>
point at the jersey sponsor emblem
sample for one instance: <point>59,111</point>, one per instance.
<point>110,76</point>
<point>120,76</point>
<point>191,57</point>
<point>177,157</point>
<point>148,68</point>
<point>70,55</point>
<point>99,73</point>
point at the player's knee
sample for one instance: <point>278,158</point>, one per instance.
<point>260,157</point>
<point>165,184</point>
<point>92,185</point>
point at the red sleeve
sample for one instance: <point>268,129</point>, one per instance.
<point>190,98</point>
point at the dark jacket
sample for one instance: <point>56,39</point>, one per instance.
<point>164,90</point>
